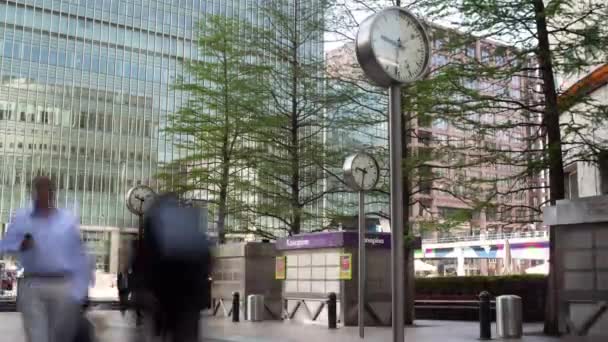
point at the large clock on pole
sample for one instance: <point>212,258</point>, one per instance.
<point>393,47</point>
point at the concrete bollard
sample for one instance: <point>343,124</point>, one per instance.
<point>332,315</point>
<point>236,306</point>
<point>485,316</point>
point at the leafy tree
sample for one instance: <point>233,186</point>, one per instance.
<point>213,128</point>
<point>505,97</point>
<point>513,94</point>
<point>292,163</point>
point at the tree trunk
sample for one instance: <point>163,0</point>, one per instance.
<point>223,203</point>
<point>410,273</point>
<point>556,167</point>
<point>295,141</point>
<point>221,221</point>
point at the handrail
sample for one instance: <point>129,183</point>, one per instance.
<point>489,237</point>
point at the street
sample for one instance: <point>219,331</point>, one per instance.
<point>114,328</point>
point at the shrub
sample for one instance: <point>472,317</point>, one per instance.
<point>531,288</point>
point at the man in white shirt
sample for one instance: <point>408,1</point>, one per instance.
<point>46,240</point>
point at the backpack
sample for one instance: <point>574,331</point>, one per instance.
<point>178,233</point>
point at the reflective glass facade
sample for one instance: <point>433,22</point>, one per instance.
<point>85,87</point>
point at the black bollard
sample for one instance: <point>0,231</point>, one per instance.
<point>485,316</point>
<point>332,315</point>
<point>236,306</point>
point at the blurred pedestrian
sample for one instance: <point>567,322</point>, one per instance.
<point>135,281</point>
<point>122,284</point>
<point>46,240</point>
<point>176,268</point>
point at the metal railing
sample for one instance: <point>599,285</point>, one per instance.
<point>488,237</point>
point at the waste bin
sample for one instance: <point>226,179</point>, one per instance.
<point>255,308</point>
<point>509,316</point>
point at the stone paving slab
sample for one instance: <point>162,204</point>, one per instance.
<point>116,328</point>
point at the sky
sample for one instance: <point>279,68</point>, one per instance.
<point>358,11</point>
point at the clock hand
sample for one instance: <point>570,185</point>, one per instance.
<point>390,41</point>
<point>364,171</point>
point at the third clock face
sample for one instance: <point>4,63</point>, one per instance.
<point>400,45</point>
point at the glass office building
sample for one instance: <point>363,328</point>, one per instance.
<point>85,89</point>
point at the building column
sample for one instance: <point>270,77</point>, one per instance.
<point>483,266</point>
<point>460,271</point>
<point>114,250</point>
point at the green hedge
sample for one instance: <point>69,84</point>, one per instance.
<point>531,288</point>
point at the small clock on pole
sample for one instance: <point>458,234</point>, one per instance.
<point>393,49</point>
<point>361,173</point>
<point>139,198</point>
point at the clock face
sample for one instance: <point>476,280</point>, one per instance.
<point>361,172</point>
<point>393,48</point>
<point>139,199</point>
<point>400,45</point>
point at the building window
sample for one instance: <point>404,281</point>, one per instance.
<point>83,120</point>
<point>471,51</point>
<point>485,56</point>
<point>440,124</point>
<point>22,116</point>
<point>44,117</point>
<point>603,168</point>
<point>571,184</point>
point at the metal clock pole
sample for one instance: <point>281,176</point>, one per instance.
<point>140,221</point>
<point>367,166</point>
<point>376,39</point>
<point>362,262</point>
<point>396,201</point>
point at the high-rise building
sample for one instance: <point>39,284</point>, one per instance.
<point>85,90</point>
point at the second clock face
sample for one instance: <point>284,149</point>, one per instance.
<point>361,172</point>
<point>400,45</point>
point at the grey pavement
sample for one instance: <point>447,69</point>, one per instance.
<point>118,329</point>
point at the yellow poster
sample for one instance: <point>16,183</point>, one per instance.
<point>346,266</point>
<point>280,268</point>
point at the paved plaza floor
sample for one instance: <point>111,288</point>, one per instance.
<point>119,329</point>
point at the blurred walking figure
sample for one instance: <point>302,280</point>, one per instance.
<point>122,283</point>
<point>135,281</point>
<point>57,273</point>
<point>176,268</point>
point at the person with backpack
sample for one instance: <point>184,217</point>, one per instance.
<point>177,267</point>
